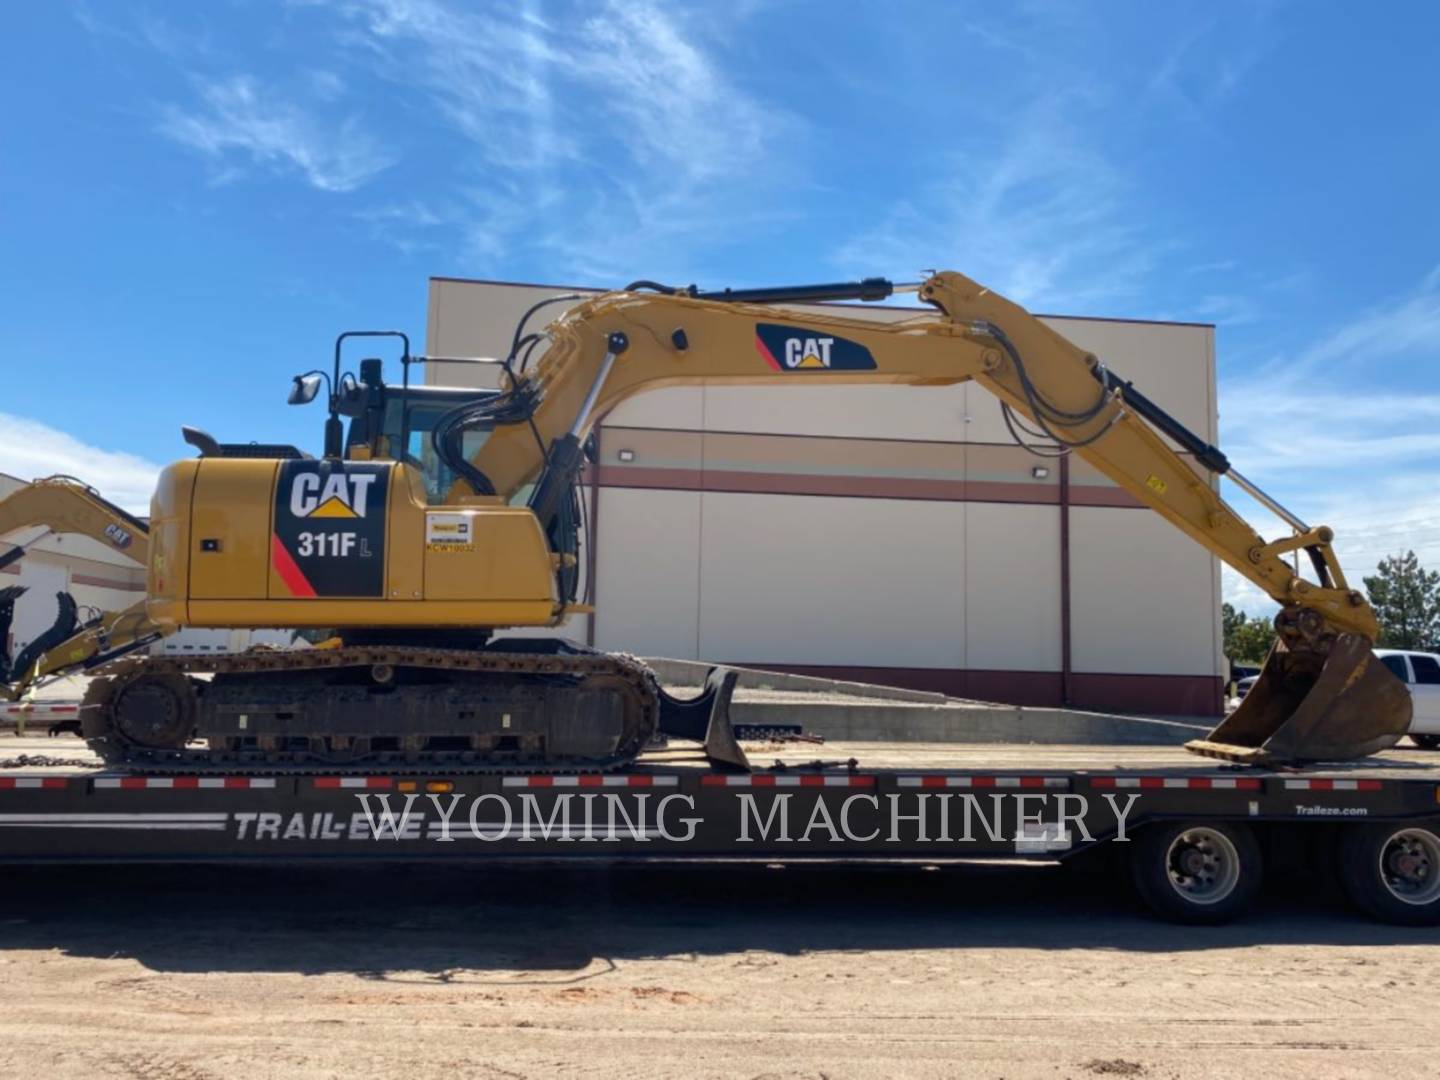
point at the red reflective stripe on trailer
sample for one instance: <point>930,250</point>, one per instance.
<point>1193,783</point>
<point>329,781</point>
<point>1331,784</point>
<point>187,782</point>
<point>1032,781</point>
<point>51,783</point>
<point>129,783</point>
<point>639,781</point>
<point>932,781</point>
<point>591,781</point>
<point>982,781</point>
<point>770,780</point>
<point>542,781</point>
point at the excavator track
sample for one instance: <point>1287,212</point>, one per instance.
<point>365,709</point>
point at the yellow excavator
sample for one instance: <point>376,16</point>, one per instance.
<point>443,515</point>
<point>58,505</point>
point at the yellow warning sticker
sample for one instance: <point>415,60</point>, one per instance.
<point>1155,484</point>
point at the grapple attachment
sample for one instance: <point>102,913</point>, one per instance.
<point>1322,696</point>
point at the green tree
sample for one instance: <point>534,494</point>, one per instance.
<point>1406,599</point>
<point>1247,640</point>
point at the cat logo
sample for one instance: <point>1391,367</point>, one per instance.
<point>793,348</point>
<point>342,495</point>
<point>808,352</point>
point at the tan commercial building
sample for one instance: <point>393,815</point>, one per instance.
<point>889,534</point>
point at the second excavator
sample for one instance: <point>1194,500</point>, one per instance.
<point>441,516</point>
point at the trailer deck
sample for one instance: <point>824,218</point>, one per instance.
<point>1200,823</point>
<point>1403,762</point>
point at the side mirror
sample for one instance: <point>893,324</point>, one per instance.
<point>304,388</point>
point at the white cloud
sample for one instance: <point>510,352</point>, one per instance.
<point>237,116</point>
<point>31,450</point>
<point>1345,430</point>
<point>1041,219</point>
<point>1244,595</point>
<point>611,138</point>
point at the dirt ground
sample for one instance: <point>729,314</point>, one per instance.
<point>188,973</point>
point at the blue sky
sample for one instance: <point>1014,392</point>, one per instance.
<point>194,198</point>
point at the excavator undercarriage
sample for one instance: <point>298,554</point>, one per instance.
<point>546,707</point>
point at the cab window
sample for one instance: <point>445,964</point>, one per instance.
<point>420,451</point>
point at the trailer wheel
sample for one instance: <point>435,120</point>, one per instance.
<point>1393,872</point>
<point>1196,871</point>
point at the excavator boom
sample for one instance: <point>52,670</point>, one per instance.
<point>1321,694</point>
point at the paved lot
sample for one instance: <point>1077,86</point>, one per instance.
<point>718,971</point>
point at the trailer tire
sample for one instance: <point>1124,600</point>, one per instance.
<point>1392,871</point>
<point>1197,872</point>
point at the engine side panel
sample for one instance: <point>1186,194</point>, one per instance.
<point>301,543</point>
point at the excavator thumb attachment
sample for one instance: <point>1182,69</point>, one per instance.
<point>706,719</point>
<point>66,621</point>
<point>1332,700</point>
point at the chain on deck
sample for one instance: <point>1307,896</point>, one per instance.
<point>99,732</point>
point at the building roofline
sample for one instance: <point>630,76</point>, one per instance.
<point>830,303</point>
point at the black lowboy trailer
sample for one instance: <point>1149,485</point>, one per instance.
<point>1195,836</point>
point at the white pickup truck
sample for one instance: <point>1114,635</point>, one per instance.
<point>1420,671</point>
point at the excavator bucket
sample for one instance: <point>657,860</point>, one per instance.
<point>1331,703</point>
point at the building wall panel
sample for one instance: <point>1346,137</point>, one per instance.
<point>814,580</point>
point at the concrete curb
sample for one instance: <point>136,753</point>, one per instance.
<point>877,722</point>
<point>692,673</point>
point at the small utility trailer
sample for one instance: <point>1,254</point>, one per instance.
<point>1196,836</point>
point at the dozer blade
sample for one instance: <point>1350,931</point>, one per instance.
<point>706,720</point>
<point>1316,704</point>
